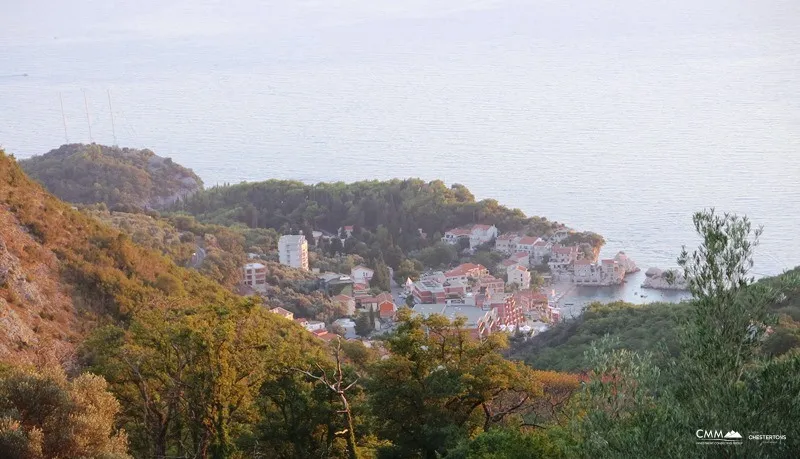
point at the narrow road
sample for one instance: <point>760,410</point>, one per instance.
<point>197,257</point>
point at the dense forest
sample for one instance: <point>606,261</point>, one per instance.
<point>166,362</point>
<point>403,207</point>
<point>88,174</point>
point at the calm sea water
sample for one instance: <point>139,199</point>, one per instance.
<point>617,116</point>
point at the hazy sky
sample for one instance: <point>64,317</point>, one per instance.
<point>34,21</point>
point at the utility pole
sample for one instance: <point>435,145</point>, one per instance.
<point>113,129</point>
<point>88,123</point>
<point>63,117</point>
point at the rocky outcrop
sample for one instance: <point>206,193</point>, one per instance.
<point>670,279</point>
<point>627,264</point>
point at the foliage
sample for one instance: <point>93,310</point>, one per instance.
<point>88,174</point>
<point>441,384</point>
<point>720,379</point>
<point>652,327</point>
<point>380,278</point>
<point>588,238</point>
<point>507,444</point>
<point>43,414</point>
<point>389,215</point>
<point>189,376</point>
<point>104,274</point>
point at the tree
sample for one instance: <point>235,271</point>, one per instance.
<point>438,384</point>
<point>380,278</point>
<point>338,385</point>
<point>336,247</point>
<point>43,414</point>
<point>408,269</point>
<point>188,375</point>
<point>364,325</point>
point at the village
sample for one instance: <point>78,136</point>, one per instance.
<point>507,302</point>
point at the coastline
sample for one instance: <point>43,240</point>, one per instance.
<point>571,299</point>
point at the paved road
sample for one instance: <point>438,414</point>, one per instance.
<point>198,257</point>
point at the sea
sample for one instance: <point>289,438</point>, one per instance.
<point>621,117</point>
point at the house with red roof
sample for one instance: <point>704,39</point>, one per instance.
<point>506,242</point>
<point>526,244</point>
<point>386,308</point>
<point>491,285</point>
<point>348,303</point>
<point>465,272</point>
<point>519,275</point>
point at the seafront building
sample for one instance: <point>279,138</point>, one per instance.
<point>293,251</point>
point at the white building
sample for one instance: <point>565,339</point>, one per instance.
<point>507,243</point>
<point>607,272</point>
<point>293,251</point>
<point>255,276</point>
<point>361,274</point>
<point>477,235</point>
<point>561,258</point>
<point>519,275</point>
<point>314,325</point>
<point>541,249</point>
<point>526,244</point>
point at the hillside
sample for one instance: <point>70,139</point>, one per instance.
<point>62,273</point>
<point>88,174</point>
<point>651,327</point>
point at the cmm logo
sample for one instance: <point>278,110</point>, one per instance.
<point>716,437</point>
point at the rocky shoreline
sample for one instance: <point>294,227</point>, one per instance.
<point>669,279</point>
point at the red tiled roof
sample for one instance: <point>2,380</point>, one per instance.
<point>342,298</point>
<point>459,232</point>
<point>301,321</point>
<point>506,237</point>
<point>520,255</point>
<point>583,262</point>
<point>520,268</point>
<point>608,261</point>
<point>527,240</point>
<point>481,227</point>
<point>540,244</point>
<point>383,297</point>
<point>463,269</point>
<point>387,309</point>
<point>509,262</point>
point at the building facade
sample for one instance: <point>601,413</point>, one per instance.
<point>293,251</point>
<point>254,275</point>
